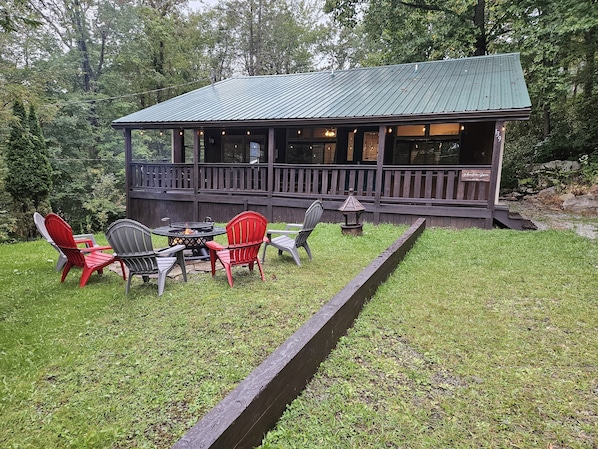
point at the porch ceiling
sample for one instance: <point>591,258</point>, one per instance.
<point>467,89</point>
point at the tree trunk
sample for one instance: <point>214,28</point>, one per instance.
<point>590,67</point>
<point>547,128</point>
<point>481,42</point>
<point>79,25</point>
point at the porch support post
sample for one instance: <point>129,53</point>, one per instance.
<point>178,146</point>
<point>497,153</point>
<point>128,174</point>
<point>196,175</point>
<point>379,166</point>
<point>270,182</point>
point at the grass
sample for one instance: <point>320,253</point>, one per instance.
<point>480,339</point>
<point>94,368</point>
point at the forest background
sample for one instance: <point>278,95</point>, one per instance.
<point>70,67</point>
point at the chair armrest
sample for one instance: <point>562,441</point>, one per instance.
<point>96,248</point>
<point>87,242</point>
<point>214,246</point>
<point>169,251</point>
<point>269,232</point>
<point>88,239</point>
<point>293,225</point>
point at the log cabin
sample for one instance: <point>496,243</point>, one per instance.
<point>411,140</point>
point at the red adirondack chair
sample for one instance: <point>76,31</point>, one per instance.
<point>89,259</point>
<point>246,233</point>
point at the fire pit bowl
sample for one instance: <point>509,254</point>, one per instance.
<point>201,226</point>
<point>193,235</point>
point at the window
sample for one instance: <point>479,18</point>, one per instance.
<point>435,144</point>
<point>243,149</point>
<point>370,147</point>
<point>311,153</point>
<point>311,145</point>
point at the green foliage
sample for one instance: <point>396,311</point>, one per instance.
<point>15,15</point>
<point>7,220</point>
<point>27,166</point>
<point>107,202</point>
<point>589,169</point>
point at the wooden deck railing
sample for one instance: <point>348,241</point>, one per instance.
<point>246,178</point>
<point>161,176</point>
<point>425,184</point>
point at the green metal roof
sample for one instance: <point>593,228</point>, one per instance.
<point>463,89</point>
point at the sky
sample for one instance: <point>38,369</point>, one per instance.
<point>200,5</point>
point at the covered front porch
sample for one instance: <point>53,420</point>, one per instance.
<point>459,195</point>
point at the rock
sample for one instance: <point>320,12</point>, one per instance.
<point>512,196</point>
<point>566,196</point>
<point>550,192</point>
<point>557,165</point>
<point>582,204</point>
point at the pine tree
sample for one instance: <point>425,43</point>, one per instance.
<point>40,160</point>
<point>19,149</point>
<point>28,169</point>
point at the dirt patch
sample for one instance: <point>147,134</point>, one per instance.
<point>193,267</point>
<point>548,214</point>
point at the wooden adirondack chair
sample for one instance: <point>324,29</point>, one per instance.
<point>132,243</point>
<point>81,239</point>
<point>294,236</point>
<point>89,259</point>
<point>245,233</point>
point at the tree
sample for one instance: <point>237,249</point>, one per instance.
<point>28,169</point>
<point>557,43</point>
<point>270,37</point>
<point>14,15</point>
<point>404,31</point>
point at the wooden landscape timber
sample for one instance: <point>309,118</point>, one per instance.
<point>244,416</point>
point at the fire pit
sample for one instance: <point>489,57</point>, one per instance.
<point>193,235</point>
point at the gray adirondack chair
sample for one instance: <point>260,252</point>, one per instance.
<point>132,243</point>
<point>86,239</point>
<point>294,236</point>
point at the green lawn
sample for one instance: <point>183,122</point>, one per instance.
<point>480,339</point>
<point>93,368</point>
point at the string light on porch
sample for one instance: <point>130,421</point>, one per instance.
<point>330,133</point>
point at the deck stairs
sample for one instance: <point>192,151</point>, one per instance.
<point>504,218</point>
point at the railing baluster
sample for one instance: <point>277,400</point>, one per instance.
<point>428,182</point>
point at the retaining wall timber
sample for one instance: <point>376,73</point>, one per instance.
<point>244,416</point>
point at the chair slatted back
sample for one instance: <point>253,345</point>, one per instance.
<point>245,234</point>
<point>313,214</point>
<point>132,242</point>
<point>61,234</point>
<point>40,224</point>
